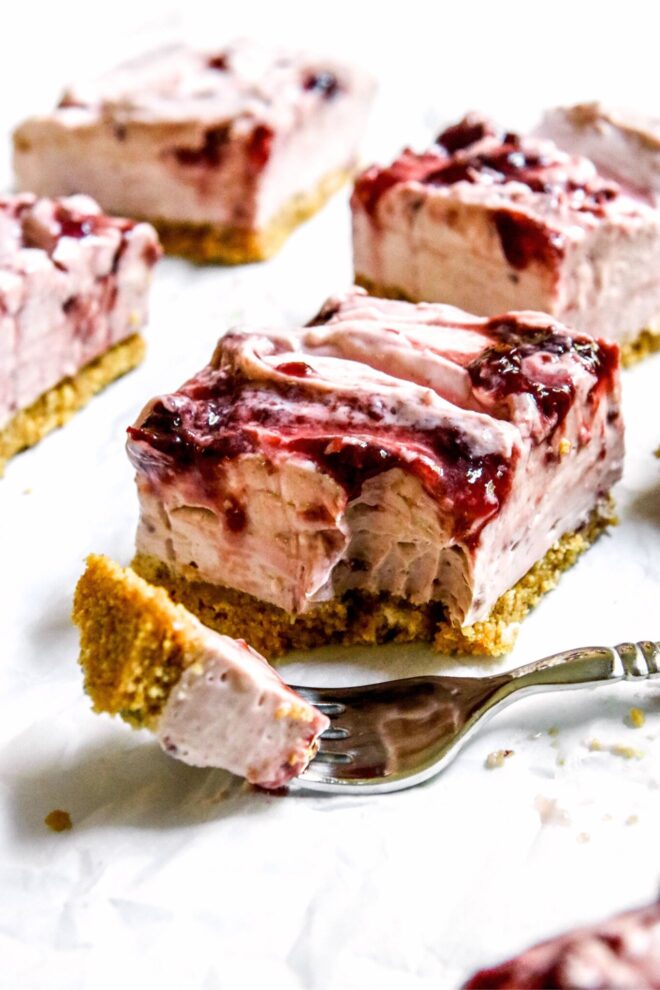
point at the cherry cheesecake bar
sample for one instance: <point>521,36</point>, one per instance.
<point>389,471</point>
<point>492,221</point>
<point>73,297</point>
<point>224,151</point>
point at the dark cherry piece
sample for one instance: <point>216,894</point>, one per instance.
<point>325,83</point>
<point>498,370</point>
<point>219,62</point>
<point>469,130</point>
<point>210,151</point>
<point>525,240</point>
<point>235,516</point>
<point>295,369</point>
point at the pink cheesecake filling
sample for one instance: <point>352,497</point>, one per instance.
<point>623,954</point>
<point>387,448</point>
<point>230,709</point>
<point>623,145</point>
<point>73,283</point>
<point>492,221</point>
<point>219,136</point>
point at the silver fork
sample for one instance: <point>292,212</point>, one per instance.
<point>388,736</point>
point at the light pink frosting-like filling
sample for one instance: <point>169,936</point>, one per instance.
<point>72,284</point>
<point>230,709</point>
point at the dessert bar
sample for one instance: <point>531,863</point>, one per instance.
<point>389,471</point>
<point>224,151</point>
<point>622,954</point>
<point>493,221</point>
<point>73,296</point>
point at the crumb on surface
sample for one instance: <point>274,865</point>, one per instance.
<point>565,446</point>
<point>550,812</point>
<point>497,758</point>
<point>58,820</point>
<point>636,718</point>
<point>583,837</point>
<point>595,745</point>
<point>632,819</point>
<point>553,730</point>
<point>626,752</point>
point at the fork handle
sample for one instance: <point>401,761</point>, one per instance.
<point>588,665</point>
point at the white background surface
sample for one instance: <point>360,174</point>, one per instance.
<point>175,877</point>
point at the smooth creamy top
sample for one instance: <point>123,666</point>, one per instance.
<point>623,145</point>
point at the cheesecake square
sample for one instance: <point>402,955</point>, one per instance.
<point>623,952</point>
<point>389,471</point>
<point>492,221</point>
<point>211,701</point>
<point>224,150</point>
<point>73,298</point>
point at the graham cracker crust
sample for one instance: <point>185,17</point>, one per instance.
<point>134,642</point>
<point>207,243</point>
<point>359,618</point>
<point>56,406</point>
<point>647,342</point>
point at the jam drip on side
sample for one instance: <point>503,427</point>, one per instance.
<point>210,152</point>
<point>220,417</point>
<point>499,370</point>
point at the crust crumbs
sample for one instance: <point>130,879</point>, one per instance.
<point>207,243</point>
<point>371,619</point>
<point>56,406</point>
<point>647,342</point>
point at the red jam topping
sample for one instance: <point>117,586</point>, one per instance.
<point>457,158</point>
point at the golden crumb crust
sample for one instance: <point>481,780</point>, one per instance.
<point>207,243</point>
<point>56,406</point>
<point>370,619</point>
<point>134,642</point>
<point>647,342</point>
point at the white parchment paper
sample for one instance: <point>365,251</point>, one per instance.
<point>177,877</point>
